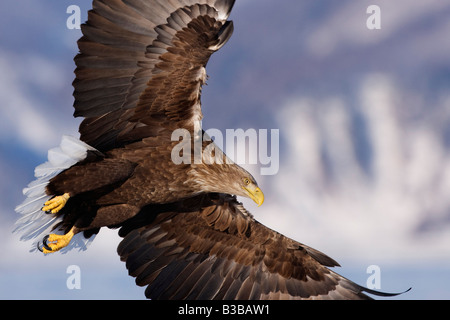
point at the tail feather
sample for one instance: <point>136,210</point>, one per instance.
<point>33,222</point>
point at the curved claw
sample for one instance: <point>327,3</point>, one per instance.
<point>45,248</point>
<point>44,243</point>
<point>57,242</point>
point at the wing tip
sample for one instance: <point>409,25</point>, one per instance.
<point>384,294</point>
<point>224,35</point>
<point>225,7</point>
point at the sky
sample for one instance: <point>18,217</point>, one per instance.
<point>364,142</point>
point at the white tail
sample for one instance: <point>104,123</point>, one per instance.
<point>35,223</point>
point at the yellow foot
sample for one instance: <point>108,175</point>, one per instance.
<point>55,242</point>
<point>55,204</point>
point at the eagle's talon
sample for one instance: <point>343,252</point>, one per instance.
<point>55,204</point>
<point>55,242</point>
<point>44,244</point>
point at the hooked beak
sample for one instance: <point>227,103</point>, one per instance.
<point>255,194</point>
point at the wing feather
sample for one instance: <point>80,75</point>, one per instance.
<point>194,250</point>
<point>144,60</point>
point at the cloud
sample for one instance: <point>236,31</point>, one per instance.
<point>24,118</point>
<point>19,115</point>
<point>373,208</point>
<point>346,26</point>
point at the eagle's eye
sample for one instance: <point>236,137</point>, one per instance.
<point>247,181</point>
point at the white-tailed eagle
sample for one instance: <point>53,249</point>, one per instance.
<point>139,76</point>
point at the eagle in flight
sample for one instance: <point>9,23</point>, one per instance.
<point>139,76</point>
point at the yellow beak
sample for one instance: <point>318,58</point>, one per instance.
<point>255,194</point>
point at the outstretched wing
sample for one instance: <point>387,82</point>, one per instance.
<point>142,64</point>
<point>210,247</point>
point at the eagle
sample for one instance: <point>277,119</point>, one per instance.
<point>138,82</point>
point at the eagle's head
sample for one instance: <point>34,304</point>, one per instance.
<point>249,188</point>
<point>228,178</point>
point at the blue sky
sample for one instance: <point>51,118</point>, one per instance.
<point>363,117</point>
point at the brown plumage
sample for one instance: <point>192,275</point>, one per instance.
<point>136,82</point>
<point>210,247</point>
<point>139,75</point>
